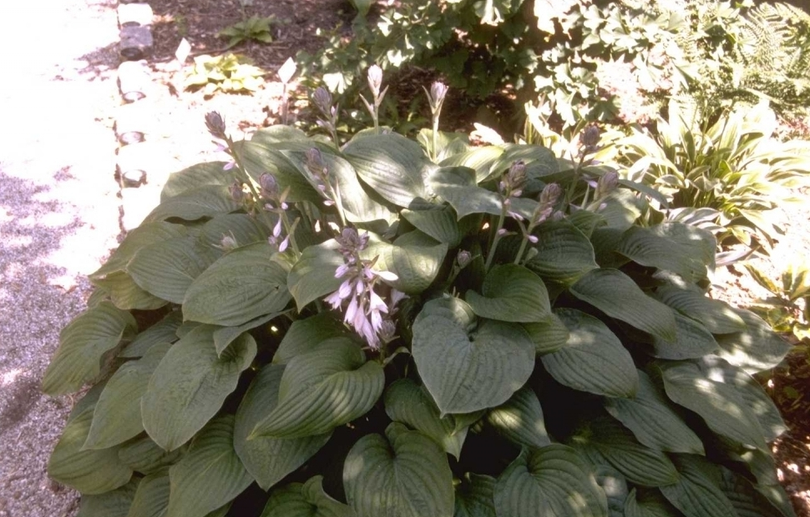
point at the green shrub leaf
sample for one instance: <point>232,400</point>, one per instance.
<point>164,331</point>
<point>190,385</point>
<point>474,496</point>
<point>405,474</point>
<point>697,492</point>
<point>548,335</point>
<point>414,258</point>
<point>439,223</point>
<point>244,229</point>
<point>152,497</point>
<point>269,459</point>
<point>520,419</point>
<point>241,286</point>
<point>190,205</point>
<point>322,389</point>
<point>653,419</point>
<point>140,237</point>
<point>313,276</point>
<point>304,500</point>
<point>650,504</point>
<point>199,175</point>
<point>115,503</point>
<point>644,246</point>
<point>756,348</point>
<point>145,456</point>
<point>745,499</point>
<point>692,340</point>
<point>306,334</point>
<point>82,346</point>
<point>564,254</point>
<point>593,359</point>
<point>511,293</point>
<point>604,287</point>
<point>458,186</point>
<point>718,317</point>
<point>551,480</point>
<point>464,373</point>
<point>126,294</point>
<point>259,156</point>
<point>481,159</point>
<point>210,475</point>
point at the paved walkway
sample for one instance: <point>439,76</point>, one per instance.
<point>58,218</point>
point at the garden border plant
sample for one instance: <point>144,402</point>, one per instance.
<point>378,327</point>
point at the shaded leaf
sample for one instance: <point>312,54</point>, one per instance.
<point>520,419</point>
<point>511,293</point>
<point>306,334</point>
<point>190,205</point>
<point>548,335</point>
<point>718,317</point>
<point>755,349</point>
<point>564,254</point>
<point>313,276</point>
<point>164,331</point>
<point>115,503</point>
<point>697,492</point>
<point>474,496</point>
<point>304,500</point>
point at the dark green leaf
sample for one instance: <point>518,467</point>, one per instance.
<point>520,419</point>
<point>474,496</point>
<point>564,254</point>
<point>304,500</point>
<point>206,201</point>
<point>644,246</point>
<point>163,331</point>
<point>115,503</point>
<point>697,493</point>
<point>755,349</point>
<point>313,276</point>
<point>511,293</point>
<point>439,223</point>
<point>718,317</point>
<point>145,456</point>
<point>199,175</point>
<point>692,341</point>
<point>305,335</point>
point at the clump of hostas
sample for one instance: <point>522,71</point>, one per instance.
<point>410,328</point>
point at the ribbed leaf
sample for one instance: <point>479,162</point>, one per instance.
<point>653,419</point>
<point>242,285</point>
<point>224,336</point>
<point>392,165</point>
<point>164,331</point>
<point>602,288</point>
<point>323,389</point>
<point>614,485</point>
<point>259,157</point>
<point>511,293</point>
<point>474,496</point>
<point>88,471</point>
<point>405,474</point>
<point>697,492</point>
<point>117,417</point>
<point>115,503</point>
<point>190,205</point>
<point>411,404</point>
<point>414,258</point>
<point>82,346</point>
<point>463,373</point>
<point>593,359</point>
<point>520,419</point>
<point>718,317</point>
<point>166,269</point>
<point>304,500</point>
<point>126,294</point>
<point>692,340</point>
<point>564,254</point>
<point>266,458</point>
<point>550,481</point>
<point>643,246</point>
<point>201,174</point>
<point>548,335</point>
<point>145,456</point>
<point>210,475</point>
<point>755,349</point>
<point>439,223</point>
<point>305,334</point>
<point>243,228</point>
<point>152,497</point>
<point>140,237</point>
<point>458,186</point>
<point>481,159</point>
<point>747,502</point>
<point>313,276</point>
<point>190,384</point>
<point>651,504</point>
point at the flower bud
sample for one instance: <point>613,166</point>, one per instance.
<point>323,100</point>
<point>236,191</point>
<point>516,176</point>
<point>463,258</point>
<point>375,77</point>
<point>589,138</point>
<point>228,243</point>
<point>551,193</point>
<point>315,162</point>
<point>268,184</point>
<point>388,330</point>
<point>607,184</point>
<point>438,90</point>
<point>215,124</point>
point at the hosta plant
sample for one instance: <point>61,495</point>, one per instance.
<point>392,329</point>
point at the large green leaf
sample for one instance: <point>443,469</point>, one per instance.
<point>269,459</point>
<point>548,335</point>
<point>323,389</point>
<point>313,276</point>
<point>405,474</point>
<point>243,228</point>
<point>117,417</point>
<point>747,501</point>
<point>719,404</point>
<point>304,500</point>
<point>166,269</point>
<point>407,402</point>
<point>164,331</point>
<point>552,481</point>
<point>718,317</point>
<point>692,340</point>
<point>465,368</point>
<point>126,294</point>
<point>593,359</point>
<point>644,246</point>
<point>414,258</point>
<point>653,419</point>
<point>481,159</point>
<point>145,456</point>
<point>439,223</point>
<point>474,496</point>
<point>199,175</point>
<point>651,504</point>
<point>152,497</point>
<point>755,349</point>
<point>140,237</point>
<point>520,419</point>
<point>190,384</point>
<point>210,475</point>
<point>458,186</point>
<point>602,288</point>
<point>511,293</point>
<point>697,492</point>
<point>88,471</point>
<point>259,157</point>
<point>306,334</point>
<point>564,253</point>
<point>190,205</point>
<point>83,345</point>
<point>115,503</point>
<point>394,166</point>
<point>241,286</point>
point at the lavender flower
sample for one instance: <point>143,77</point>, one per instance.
<point>215,125</point>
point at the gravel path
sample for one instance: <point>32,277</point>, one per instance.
<point>58,219</point>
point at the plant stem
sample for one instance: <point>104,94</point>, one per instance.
<point>435,150</point>
<point>496,240</point>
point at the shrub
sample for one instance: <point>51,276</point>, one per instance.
<point>227,73</point>
<point>366,331</point>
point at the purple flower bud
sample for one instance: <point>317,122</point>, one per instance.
<point>589,138</point>
<point>607,184</point>
<point>375,77</point>
<point>237,193</point>
<point>533,239</point>
<point>323,100</point>
<point>215,125</point>
<point>438,91</point>
<point>315,163</point>
<point>516,176</point>
<point>228,243</point>
<point>551,193</point>
<point>463,258</point>
<point>388,330</point>
<point>268,183</point>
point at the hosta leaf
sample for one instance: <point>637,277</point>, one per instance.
<point>190,384</point>
<point>652,504</point>
<point>755,349</point>
<point>118,411</point>
<point>643,246</point>
<point>305,334</point>
<point>166,269</point>
<point>700,243</point>
<point>313,276</point>
<point>115,503</point>
<point>405,474</point>
<point>199,175</point>
<point>653,419</point>
<point>511,293</point>
<point>692,340</point>
<point>465,373</point>
<point>323,389</point>
<point>718,317</point>
<point>269,459</point>
<point>145,456</point>
<point>410,404</point>
<point>619,209</point>
<point>747,502</point>
<point>82,346</point>
<point>548,335</point>
<point>392,165</point>
<point>564,254</point>
<point>242,285</point>
<point>126,294</point>
<point>152,497</point>
<point>593,359</point>
<point>164,331</point>
<point>481,159</point>
<point>88,471</point>
<point>244,229</point>
<point>190,205</point>
<point>304,500</point>
<point>439,223</point>
<point>259,157</point>
<point>140,237</point>
<point>474,496</point>
<point>458,186</point>
<point>719,404</point>
<point>414,258</point>
<point>278,134</point>
<point>520,419</point>
<point>614,484</point>
<point>210,475</point>
<point>551,481</point>
<point>604,288</point>
<point>697,492</point>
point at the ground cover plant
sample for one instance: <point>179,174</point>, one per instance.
<point>388,326</point>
